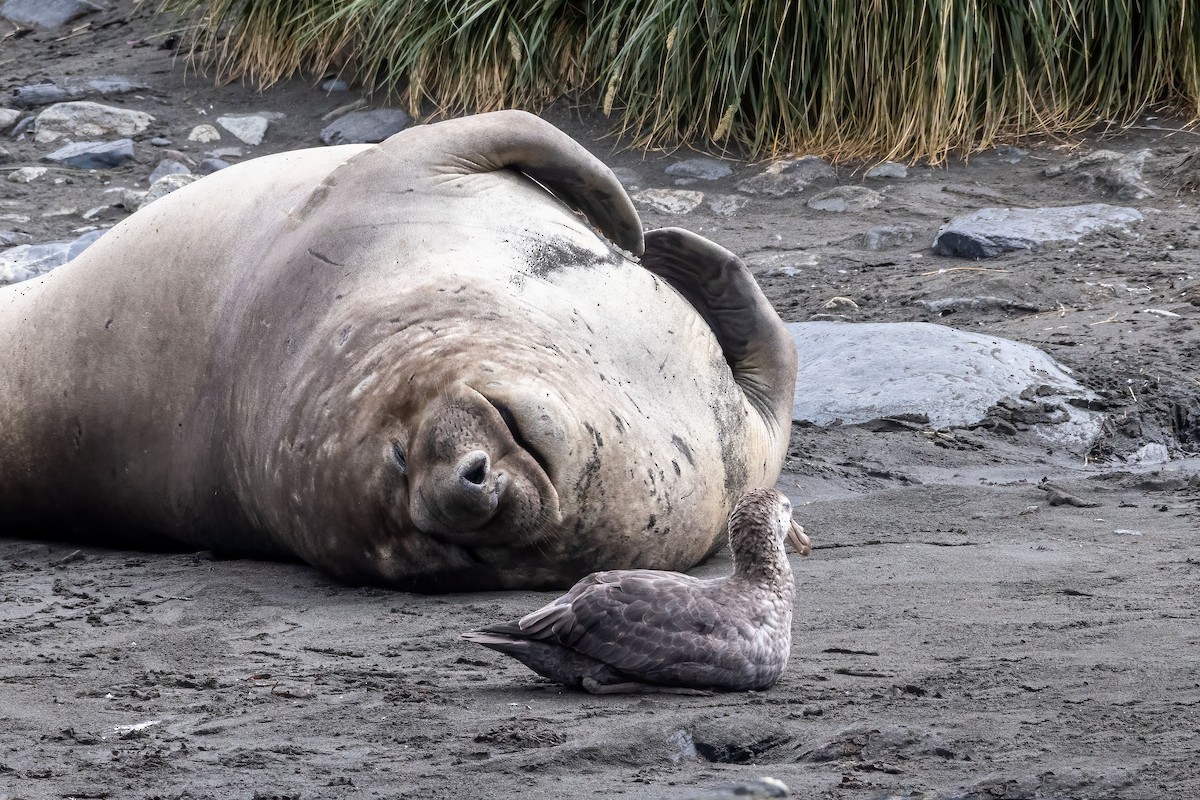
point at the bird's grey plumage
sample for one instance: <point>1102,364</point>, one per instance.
<point>639,629</point>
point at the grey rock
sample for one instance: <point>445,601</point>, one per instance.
<point>164,186</point>
<point>227,152</point>
<point>93,155</point>
<point>365,127</point>
<point>788,177</point>
<point>669,201</point>
<point>335,85</point>
<point>990,231</point>
<point>42,94</point>
<point>210,165</point>
<point>168,167</point>
<point>9,238</point>
<point>1107,171</point>
<point>131,199</point>
<point>84,119</point>
<point>27,261</point>
<point>728,204</point>
<point>46,13</point>
<point>5,156</point>
<point>1008,154</point>
<point>159,141</point>
<point>705,169</point>
<point>888,169</point>
<point>885,237</point>
<point>846,198</point>
<point>860,372</point>
<point>19,129</point>
<point>113,85</point>
<point>8,117</point>
<point>249,128</point>
<point>26,174</point>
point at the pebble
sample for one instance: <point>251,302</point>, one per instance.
<point>113,85</point>
<point>227,152</point>
<point>365,127</point>
<point>990,231</point>
<point>788,177</point>
<point>42,94</point>
<point>164,186</point>
<point>250,128</point>
<point>22,126</point>
<point>26,174</point>
<point>131,199</point>
<point>335,85</point>
<point>159,141</point>
<point>846,198</point>
<point>888,169</point>
<point>755,789</point>
<point>705,169</point>
<point>85,119</point>
<point>9,238</point>
<point>885,237</point>
<point>5,156</point>
<point>727,204</point>
<point>168,167</point>
<point>670,201</point>
<point>8,117</point>
<point>204,134</point>
<point>210,165</point>
<point>30,260</point>
<point>93,155</point>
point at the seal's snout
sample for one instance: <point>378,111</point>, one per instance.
<point>459,496</point>
<point>474,469</point>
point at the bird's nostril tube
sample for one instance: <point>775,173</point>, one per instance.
<point>474,467</point>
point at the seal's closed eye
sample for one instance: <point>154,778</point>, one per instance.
<point>398,456</point>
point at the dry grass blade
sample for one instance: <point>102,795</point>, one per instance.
<point>843,78</point>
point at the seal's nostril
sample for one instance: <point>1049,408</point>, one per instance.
<point>474,468</point>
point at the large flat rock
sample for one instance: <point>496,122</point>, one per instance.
<point>851,373</point>
<point>988,232</point>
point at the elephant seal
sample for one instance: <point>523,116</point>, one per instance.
<point>653,631</point>
<point>415,363</point>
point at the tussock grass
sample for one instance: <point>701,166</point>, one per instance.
<point>843,78</point>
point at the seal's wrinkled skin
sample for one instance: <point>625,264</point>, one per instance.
<point>411,363</point>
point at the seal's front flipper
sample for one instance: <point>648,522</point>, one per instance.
<point>755,341</point>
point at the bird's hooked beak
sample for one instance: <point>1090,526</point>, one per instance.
<point>799,539</point>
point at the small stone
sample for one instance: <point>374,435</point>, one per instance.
<point>1107,171</point>
<point>888,169</point>
<point>46,13</point>
<point>9,238</point>
<point>250,129</point>
<point>670,201</point>
<point>159,141</point>
<point>164,186</point>
<point>93,155</point>
<point>42,94</point>
<point>705,169</point>
<point>846,198</point>
<point>85,119</point>
<point>227,152</point>
<point>168,167</point>
<point>8,118</point>
<point>1008,154</point>
<point>131,199</point>
<point>5,156</point>
<point>335,85</point>
<point>211,165</point>
<point>788,177</point>
<point>365,127</point>
<point>728,204</point>
<point>885,237</point>
<point>21,127</point>
<point>990,231</point>
<point>114,85</point>
<point>26,174</point>
<point>204,134</point>
<point>59,212</point>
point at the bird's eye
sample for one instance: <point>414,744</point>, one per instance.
<point>398,456</point>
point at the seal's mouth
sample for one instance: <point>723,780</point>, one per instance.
<point>519,439</point>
